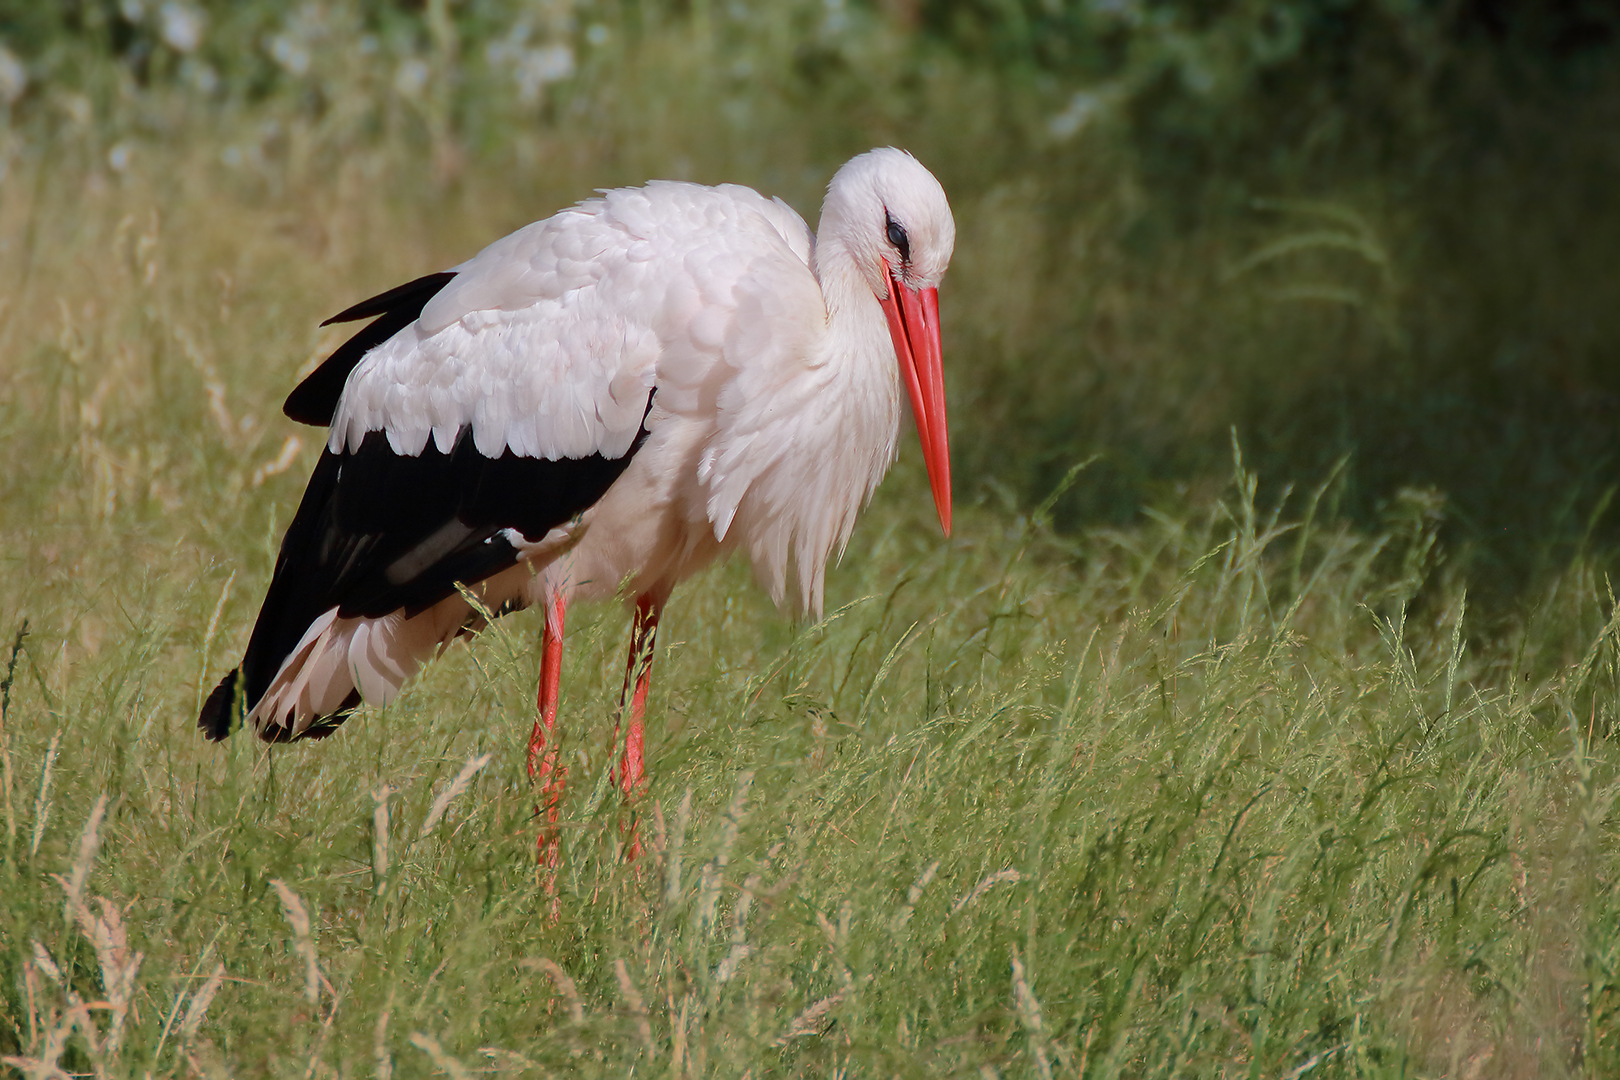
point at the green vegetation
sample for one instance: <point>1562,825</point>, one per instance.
<point>1288,754</point>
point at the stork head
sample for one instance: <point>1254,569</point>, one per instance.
<point>893,220</point>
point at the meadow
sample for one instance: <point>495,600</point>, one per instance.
<point>1200,749</point>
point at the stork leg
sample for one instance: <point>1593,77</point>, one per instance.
<point>545,767</point>
<point>631,773</point>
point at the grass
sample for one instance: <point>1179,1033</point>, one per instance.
<point>1236,790</point>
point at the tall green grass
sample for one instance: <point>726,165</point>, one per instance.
<point>1238,789</point>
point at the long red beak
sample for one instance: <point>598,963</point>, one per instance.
<point>914,325</point>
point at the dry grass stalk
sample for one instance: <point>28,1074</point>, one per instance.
<point>379,1041</point>
<point>43,961</point>
<point>837,940</point>
<point>565,985</point>
<point>511,1060</point>
<point>379,838</point>
<point>678,1022</point>
<point>983,887</point>
<point>818,735</point>
<point>637,1006</point>
<point>303,938</point>
<point>45,1066</point>
<point>104,929</point>
<point>430,1046</point>
<point>198,1009</point>
<point>118,968</point>
<point>914,894</point>
<point>31,988</point>
<point>809,1021</point>
<point>672,858</point>
<point>42,802</point>
<point>727,968</point>
<point>1029,1014</point>
<point>1316,1059</point>
<point>442,801</point>
<point>714,870</point>
<point>208,637</point>
<point>280,463</point>
<point>106,933</point>
<point>89,843</point>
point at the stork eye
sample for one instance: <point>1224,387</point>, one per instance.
<point>897,237</point>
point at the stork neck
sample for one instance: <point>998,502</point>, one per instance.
<point>852,307</point>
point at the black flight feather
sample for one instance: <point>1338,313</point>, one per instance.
<point>378,532</point>
<point>314,401</point>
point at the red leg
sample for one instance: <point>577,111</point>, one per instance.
<point>545,768</point>
<point>631,773</point>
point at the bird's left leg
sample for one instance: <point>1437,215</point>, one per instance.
<point>631,773</point>
<point>545,768</point>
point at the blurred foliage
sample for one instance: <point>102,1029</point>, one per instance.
<point>1374,229</point>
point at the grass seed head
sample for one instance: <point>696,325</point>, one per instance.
<point>303,938</point>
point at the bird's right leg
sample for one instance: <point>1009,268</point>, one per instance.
<point>631,773</point>
<point>545,767</point>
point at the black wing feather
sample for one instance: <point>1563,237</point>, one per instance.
<point>378,532</point>
<point>314,401</point>
<point>413,294</point>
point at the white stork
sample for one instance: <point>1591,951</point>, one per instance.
<point>602,402</point>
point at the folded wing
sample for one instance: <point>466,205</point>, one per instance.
<point>508,414</point>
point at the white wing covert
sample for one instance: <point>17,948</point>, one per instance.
<point>523,346</point>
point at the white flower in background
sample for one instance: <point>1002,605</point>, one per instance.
<point>411,77</point>
<point>13,76</point>
<point>502,51</point>
<point>290,53</point>
<point>131,10</point>
<point>537,67</point>
<point>596,34</point>
<point>118,157</point>
<point>181,26</point>
<point>1084,107</point>
<point>532,67</point>
<point>837,18</point>
<point>292,48</point>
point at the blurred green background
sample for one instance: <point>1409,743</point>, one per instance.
<point>1371,230</point>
